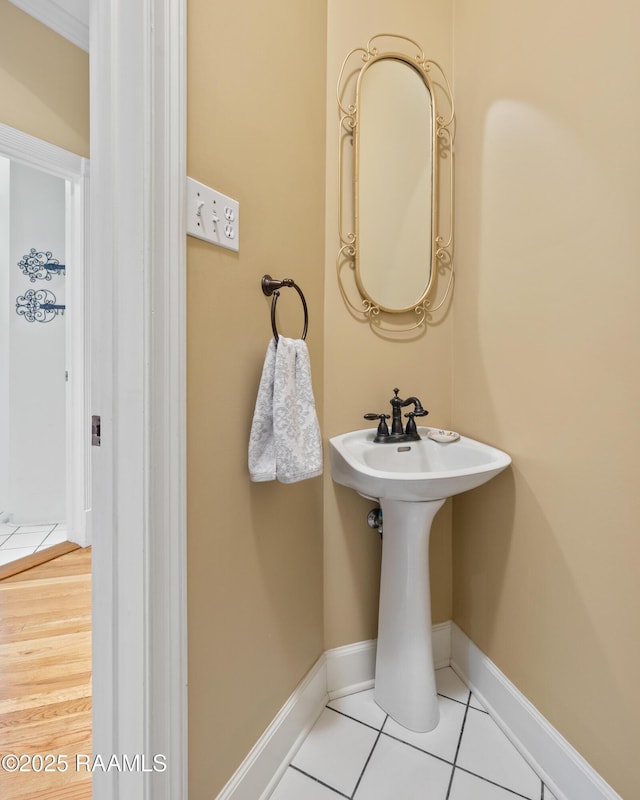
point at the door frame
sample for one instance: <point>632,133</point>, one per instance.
<point>138,369</point>
<point>74,170</point>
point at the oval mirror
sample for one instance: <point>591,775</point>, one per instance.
<point>395,246</point>
<point>394,186</point>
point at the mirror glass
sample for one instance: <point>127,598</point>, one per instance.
<point>395,183</point>
<point>394,162</point>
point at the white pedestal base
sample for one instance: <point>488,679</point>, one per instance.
<point>405,685</point>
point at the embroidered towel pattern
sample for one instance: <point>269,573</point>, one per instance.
<point>285,441</point>
<point>262,452</point>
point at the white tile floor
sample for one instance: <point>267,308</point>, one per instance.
<point>17,541</point>
<point>356,751</point>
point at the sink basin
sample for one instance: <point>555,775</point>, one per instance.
<point>413,471</point>
<point>411,480</point>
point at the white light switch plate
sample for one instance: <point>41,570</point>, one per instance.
<point>212,216</point>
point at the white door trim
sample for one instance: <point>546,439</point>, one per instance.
<point>78,457</point>
<point>43,155</point>
<point>69,19</point>
<point>138,124</point>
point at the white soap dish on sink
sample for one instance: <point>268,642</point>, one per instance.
<point>443,436</point>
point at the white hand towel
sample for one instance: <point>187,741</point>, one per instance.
<point>262,451</point>
<point>295,423</point>
<point>285,441</point>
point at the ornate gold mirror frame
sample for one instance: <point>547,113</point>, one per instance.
<point>360,230</point>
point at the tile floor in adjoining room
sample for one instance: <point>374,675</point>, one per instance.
<point>356,751</point>
<point>17,541</point>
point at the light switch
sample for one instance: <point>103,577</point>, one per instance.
<point>212,216</point>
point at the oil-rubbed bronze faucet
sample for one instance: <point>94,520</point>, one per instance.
<point>397,433</point>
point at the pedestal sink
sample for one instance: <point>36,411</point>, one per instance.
<point>411,481</point>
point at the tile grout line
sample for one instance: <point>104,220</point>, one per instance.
<point>462,702</point>
<point>373,727</point>
<point>415,747</point>
<point>48,534</point>
<point>366,763</point>
<point>355,719</point>
<point>455,758</point>
<point>493,783</point>
<point>475,774</point>
<point>11,540</point>
<point>453,764</point>
<point>317,780</point>
<point>397,738</point>
<point>467,704</point>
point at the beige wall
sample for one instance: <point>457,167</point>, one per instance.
<point>546,338</point>
<point>44,82</point>
<point>547,347</point>
<point>256,101</point>
<point>361,367</point>
<point>258,93</point>
<point>540,361</point>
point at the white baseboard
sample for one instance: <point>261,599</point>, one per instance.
<point>442,644</point>
<point>559,765</point>
<point>341,671</point>
<point>261,770</point>
<point>349,669</point>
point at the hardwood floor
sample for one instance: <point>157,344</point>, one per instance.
<point>45,678</point>
<point>42,556</point>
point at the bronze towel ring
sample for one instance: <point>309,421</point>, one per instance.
<point>271,287</point>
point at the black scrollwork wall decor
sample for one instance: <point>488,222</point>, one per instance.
<point>38,305</point>
<point>40,265</point>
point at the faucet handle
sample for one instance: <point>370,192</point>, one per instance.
<point>411,429</point>
<point>383,428</point>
